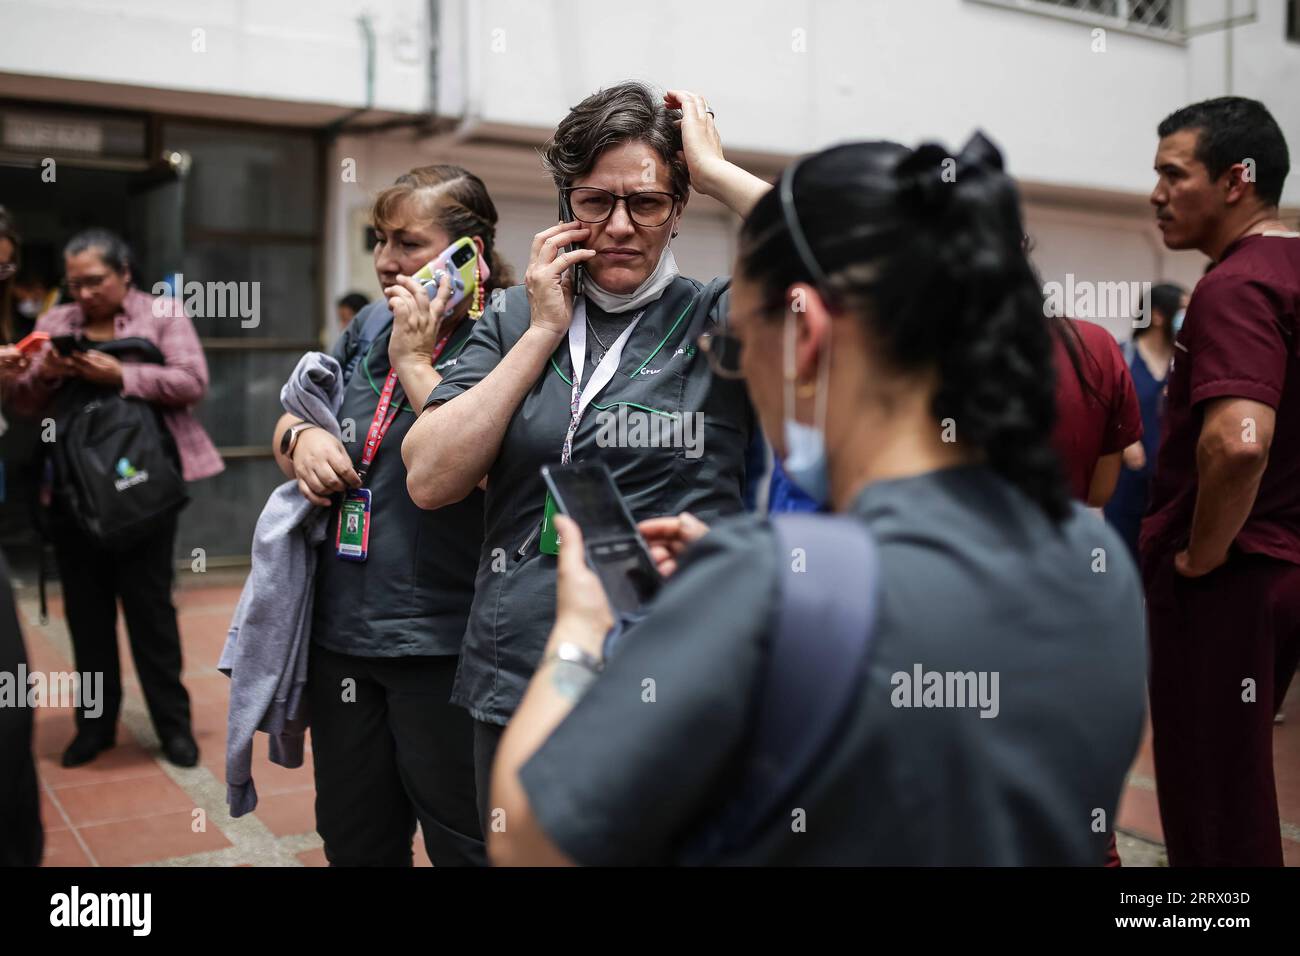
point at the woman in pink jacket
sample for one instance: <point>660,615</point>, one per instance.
<point>107,307</point>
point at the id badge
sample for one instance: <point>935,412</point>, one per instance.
<point>549,542</point>
<point>352,536</point>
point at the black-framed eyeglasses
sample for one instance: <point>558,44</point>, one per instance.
<point>87,282</point>
<point>590,204</point>
<point>722,349</point>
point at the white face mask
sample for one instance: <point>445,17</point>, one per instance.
<point>805,445</point>
<point>649,290</point>
<point>29,308</point>
<point>1177,321</point>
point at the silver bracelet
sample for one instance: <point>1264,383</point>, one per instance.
<point>571,653</point>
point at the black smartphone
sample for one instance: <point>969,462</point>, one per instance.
<point>67,344</point>
<point>576,273</point>
<point>615,549</point>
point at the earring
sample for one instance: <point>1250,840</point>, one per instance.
<point>805,390</point>
<point>476,306</point>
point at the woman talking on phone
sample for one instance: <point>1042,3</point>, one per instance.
<point>552,377</point>
<point>892,336</point>
<point>387,747</point>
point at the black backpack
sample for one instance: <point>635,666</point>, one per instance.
<point>116,474</point>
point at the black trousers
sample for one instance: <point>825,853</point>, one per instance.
<point>487,737</point>
<point>94,579</point>
<point>22,839</point>
<point>390,749</point>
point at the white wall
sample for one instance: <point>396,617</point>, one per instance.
<point>278,49</point>
<point>899,69</point>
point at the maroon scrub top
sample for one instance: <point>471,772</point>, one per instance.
<point>1090,426</point>
<point>1238,340</point>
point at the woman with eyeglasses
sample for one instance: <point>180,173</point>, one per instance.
<point>977,676</point>
<point>610,372</point>
<point>96,574</point>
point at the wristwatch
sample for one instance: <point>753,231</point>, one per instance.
<point>289,440</point>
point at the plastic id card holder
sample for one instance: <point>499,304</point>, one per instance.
<point>549,543</point>
<point>352,536</point>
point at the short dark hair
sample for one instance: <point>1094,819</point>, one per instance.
<point>111,247</point>
<point>1166,298</point>
<point>1231,129</point>
<point>628,112</point>
<point>354,301</point>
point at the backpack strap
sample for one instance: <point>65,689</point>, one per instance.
<point>813,672</point>
<point>135,346</point>
<point>367,329</point>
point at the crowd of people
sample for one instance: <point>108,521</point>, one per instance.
<point>895,517</point>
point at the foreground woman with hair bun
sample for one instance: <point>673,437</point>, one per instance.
<point>962,686</point>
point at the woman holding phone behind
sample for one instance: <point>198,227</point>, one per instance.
<point>388,748</point>
<point>96,573</point>
<point>550,378</point>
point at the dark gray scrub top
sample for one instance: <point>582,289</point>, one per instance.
<point>973,578</point>
<point>411,597</point>
<point>662,370</point>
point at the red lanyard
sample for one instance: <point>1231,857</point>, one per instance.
<point>383,419</point>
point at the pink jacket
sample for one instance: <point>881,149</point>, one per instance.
<point>176,386</point>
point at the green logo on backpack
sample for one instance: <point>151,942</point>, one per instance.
<point>127,475</point>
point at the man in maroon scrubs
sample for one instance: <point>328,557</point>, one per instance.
<point>1221,541</point>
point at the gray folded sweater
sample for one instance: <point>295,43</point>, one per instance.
<point>265,655</point>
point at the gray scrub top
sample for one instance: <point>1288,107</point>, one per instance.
<point>412,595</point>
<point>662,372</point>
<point>973,577</point>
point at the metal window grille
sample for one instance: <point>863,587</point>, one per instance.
<point>1159,18</point>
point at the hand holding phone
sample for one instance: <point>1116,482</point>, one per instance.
<point>462,265</point>
<point>577,273</point>
<point>51,364</point>
<point>66,345</point>
<point>32,343</point>
<point>615,549</point>
<point>550,298</point>
<point>582,611</point>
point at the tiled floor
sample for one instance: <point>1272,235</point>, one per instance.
<point>132,807</point>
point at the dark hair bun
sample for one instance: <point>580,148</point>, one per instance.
<point>927,175</point>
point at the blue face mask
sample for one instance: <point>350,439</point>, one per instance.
<point>805,445</point>
<point>1177,321</point>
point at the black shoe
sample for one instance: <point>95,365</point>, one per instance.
<point>85,747</point>
<point>181,750</point>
